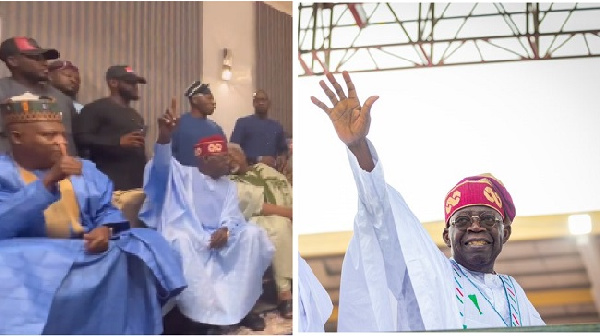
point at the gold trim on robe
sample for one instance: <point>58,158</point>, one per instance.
<point>59,214</point>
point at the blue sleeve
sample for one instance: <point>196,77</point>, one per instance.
<point>238,130</point>
<point>22,212</point>
<point>157,174</point>
<point>104,212</point>
<point>282,146</point>
<point>175,142</point>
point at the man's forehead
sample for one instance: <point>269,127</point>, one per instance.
<point>67,71</point>
<point>46,126</point>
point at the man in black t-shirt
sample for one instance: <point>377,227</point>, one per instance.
<point>113,132</point>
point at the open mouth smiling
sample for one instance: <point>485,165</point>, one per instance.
<point>477,242</point>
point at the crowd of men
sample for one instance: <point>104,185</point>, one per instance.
<point>189,231</point>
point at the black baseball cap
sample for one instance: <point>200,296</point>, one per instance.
<point>124,73</point>
<point>26,46</point>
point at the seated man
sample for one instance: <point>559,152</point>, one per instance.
<point>197,211</point>
<point>266,199</point>
<point>95,276</point>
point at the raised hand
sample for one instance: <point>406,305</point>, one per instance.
<point>350,120</point>
<point>62,169</point>
<point>167,123</point>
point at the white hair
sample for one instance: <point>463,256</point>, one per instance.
<point>233,145</point>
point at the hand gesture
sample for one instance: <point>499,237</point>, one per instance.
<point>96,241</point>
<point>219,238</point>
<point>167,123</point>
<point>62,169</point>
<point>133,139</point>
<point>350,120</point>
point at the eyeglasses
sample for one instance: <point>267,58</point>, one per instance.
<point>487,221</point>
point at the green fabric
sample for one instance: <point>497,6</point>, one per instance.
<point>263,184</point>
<point>277,190</point>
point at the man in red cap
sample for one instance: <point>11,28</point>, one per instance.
<point>113,132</point>
<point>28,65</point>
<point>197,211</point>
<point>394,278</point>
<point>64,75</point>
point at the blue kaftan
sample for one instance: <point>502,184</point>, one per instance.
<point>53,286</point>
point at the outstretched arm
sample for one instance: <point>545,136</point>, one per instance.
<point>374,266</point>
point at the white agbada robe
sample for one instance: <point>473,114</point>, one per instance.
<point>187,207</point>
<point>394,277</point>
<point>314,303</point>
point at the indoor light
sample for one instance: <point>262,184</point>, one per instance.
<point>227,63</point>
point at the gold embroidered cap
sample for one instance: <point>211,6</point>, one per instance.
<point>29,108</point>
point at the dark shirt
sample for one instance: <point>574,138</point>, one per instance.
<point>98,130</point>
<point>189,130</point>
<point>10,88</point>
<point>259,137</point>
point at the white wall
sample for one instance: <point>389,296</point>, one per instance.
<point>229,25</point>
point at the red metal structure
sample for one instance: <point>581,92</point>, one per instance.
<point>361,37</point>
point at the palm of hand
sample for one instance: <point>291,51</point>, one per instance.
<point>350,120</point>
<point>349,123</point>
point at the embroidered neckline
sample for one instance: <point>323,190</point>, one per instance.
<point>514,313</point>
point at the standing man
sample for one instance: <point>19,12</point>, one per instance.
<point>64,75</point>
<point>113,132</point>
<point>195,125</point>
<point>394,277</point>
<point>261,138</point>
<point>28,66</point>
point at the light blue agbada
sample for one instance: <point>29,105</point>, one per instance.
<point>53,286</point>
<point>394,277</point>
<point>315,305</point>
<point>187,207</point>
